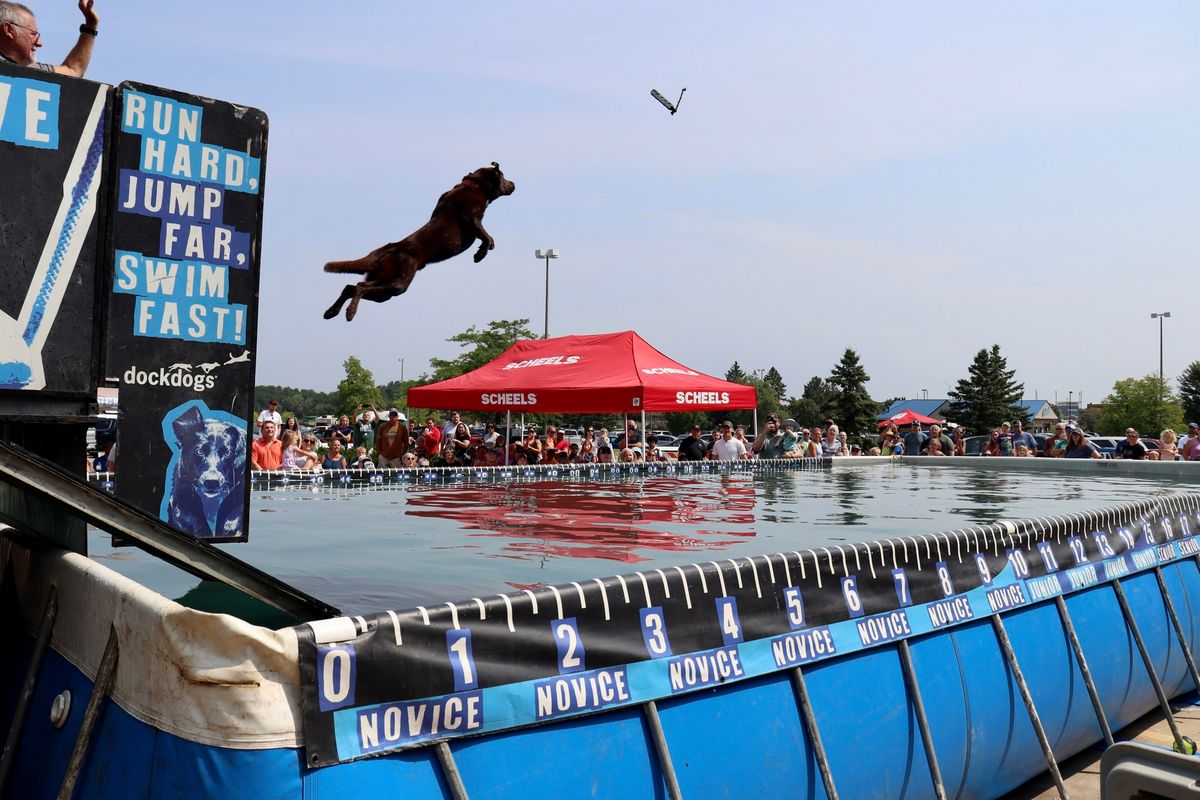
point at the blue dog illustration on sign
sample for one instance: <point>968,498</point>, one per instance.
<point>205,491</point>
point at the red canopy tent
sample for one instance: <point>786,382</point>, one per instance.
<point>907,417</point>
<point>602,373</point>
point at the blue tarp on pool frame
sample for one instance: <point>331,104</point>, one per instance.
<point>741,738</point>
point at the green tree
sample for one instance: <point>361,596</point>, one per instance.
<point>1089,418</point>
<point>775,381</point>
<point>1189,391</point>
<point>1140,403</point>
<point>768,402</point>
<point>989,395</point>
<point>357,387</point>
<point>298,402</point>
<point>821,393</point>
<point>735,374</point>
<point>684,420</point>
<point>853,409</point>
<point>485,345</point>
<point>805,411</point>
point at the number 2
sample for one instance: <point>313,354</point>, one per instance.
<point>570,648</point>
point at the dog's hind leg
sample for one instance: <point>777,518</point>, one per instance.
<point>346,294</point>
<point>352,309</point>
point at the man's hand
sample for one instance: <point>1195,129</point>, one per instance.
<point>90,17</point>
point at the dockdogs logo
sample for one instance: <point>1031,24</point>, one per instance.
<point>198,377</point>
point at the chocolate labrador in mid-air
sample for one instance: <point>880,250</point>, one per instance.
<point>456,223</point>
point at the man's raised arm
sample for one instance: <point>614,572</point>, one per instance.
<point>76,62</point>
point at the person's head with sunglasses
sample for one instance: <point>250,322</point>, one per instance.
<point>20,39</point>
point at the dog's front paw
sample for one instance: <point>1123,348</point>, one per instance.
<point>479,254</point>
<point>330,313</point>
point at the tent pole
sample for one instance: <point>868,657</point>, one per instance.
<point>643,430</point>
<point>507,432</point>
<point>756,420</point>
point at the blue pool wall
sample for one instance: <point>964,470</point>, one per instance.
<point>739,740</point>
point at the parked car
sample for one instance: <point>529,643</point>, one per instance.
<point>1107,445</point>
<point>974,444</point>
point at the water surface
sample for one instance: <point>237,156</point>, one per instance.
<point>372,548</point>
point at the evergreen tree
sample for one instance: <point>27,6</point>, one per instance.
<point>853,409</point>
<point>989,395</point>
<point>357,387</point>
<point>820,393</point>
<point>775,381</point>
<point>1140,403</point>
<point>1189,392</point>
<point>735,374</point>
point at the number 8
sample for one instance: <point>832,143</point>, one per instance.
<point>943,573</point>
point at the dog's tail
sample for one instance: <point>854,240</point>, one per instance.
<point>358,266</point>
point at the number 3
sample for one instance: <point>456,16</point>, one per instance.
<point>654,632</point>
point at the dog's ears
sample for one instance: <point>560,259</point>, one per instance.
<point>189,421</point>
<point>496,164</point>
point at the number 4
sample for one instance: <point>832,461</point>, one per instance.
<point>731,627</point>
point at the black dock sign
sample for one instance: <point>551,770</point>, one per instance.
<point>187,198</point>
<point>53,134</point>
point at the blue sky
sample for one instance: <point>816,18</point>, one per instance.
<point>916,181</point>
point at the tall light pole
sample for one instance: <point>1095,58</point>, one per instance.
<point>1160,316</point>
<point>924,394</point>
<point>403,390</point>
<point>547,255</point>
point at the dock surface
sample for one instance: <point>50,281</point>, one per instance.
<point>1081,773</point>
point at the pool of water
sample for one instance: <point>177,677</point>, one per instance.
<point>372,548</point>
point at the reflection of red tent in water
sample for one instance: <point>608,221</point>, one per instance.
<point>609,372</point>
<point>615,521</point>
<point>907,417</point>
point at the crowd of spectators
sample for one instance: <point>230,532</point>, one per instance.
<point>369,440</point>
